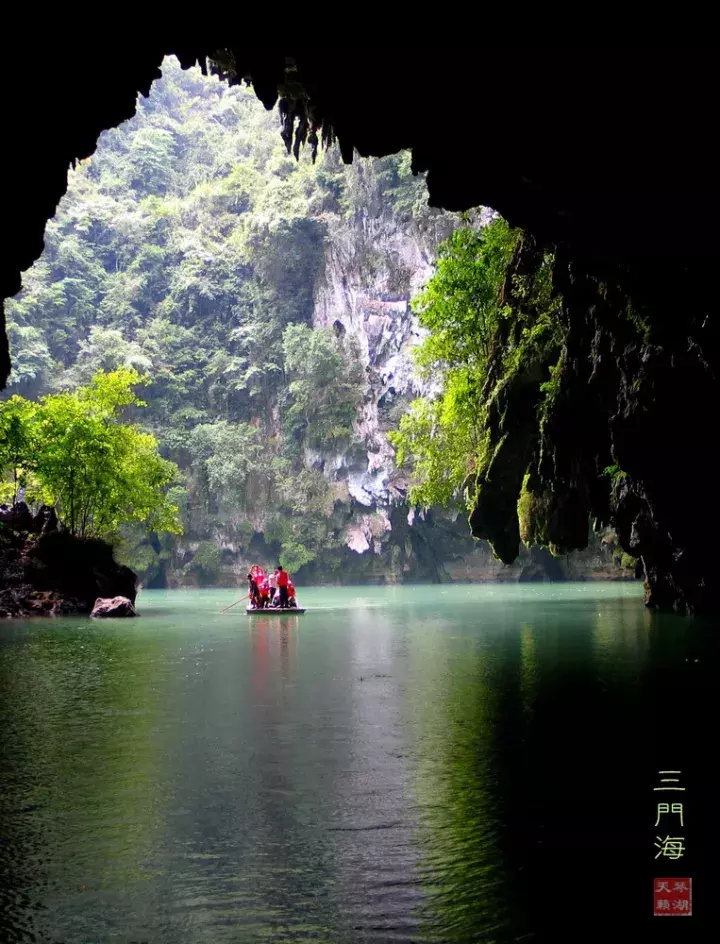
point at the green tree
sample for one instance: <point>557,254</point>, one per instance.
<point>325,386</point>
<point>462,309</point>
<point>462,304</point>
<point>97,471</point>
<point>17,445</point>
<point>229,453</point>
<point>187,247</point>
<point>106,349</point>
<point>205,562</point>
<point>32,358</point>
<point>151,155</point>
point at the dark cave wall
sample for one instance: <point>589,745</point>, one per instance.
<point>607,153</point>
<point>636,392</point>
<point>601,149</point>
<point>652,332</point>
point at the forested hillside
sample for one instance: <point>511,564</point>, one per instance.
<point>266,299</point>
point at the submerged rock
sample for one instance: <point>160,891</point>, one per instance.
<point>114,607</point>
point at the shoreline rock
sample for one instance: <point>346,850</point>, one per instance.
<point>45,571</point>
<point>114,607</point>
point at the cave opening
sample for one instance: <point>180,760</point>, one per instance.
<point>152,770</point>
<point>599,201</point>
<point>262,295</point>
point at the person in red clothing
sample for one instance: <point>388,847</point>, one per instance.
<point>283,579</point>
<point>256,577</point>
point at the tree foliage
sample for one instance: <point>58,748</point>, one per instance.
<point>461,308</point>
<point>462,305</point>
<point>16,446</point>
<point>74,453</point>
<point>326,385</point>
<point>495,343</point>
<point>188,248</point>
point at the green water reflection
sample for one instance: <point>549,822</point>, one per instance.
<point>384,768</point>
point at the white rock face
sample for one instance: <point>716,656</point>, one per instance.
<point>367,531</point>
<point>373,307</point>
<point>356,539</point>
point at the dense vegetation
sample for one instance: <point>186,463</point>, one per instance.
<point>71,451</point>
<point>461,308</point>
<point>478,341</point>
<point>495,348</point>
<point>188,249</point>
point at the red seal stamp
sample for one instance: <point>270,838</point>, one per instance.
<point>672,896</point>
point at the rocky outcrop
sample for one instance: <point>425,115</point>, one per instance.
<point>374,264</point>
<point>18,517</point>
<point>23,601</point>
<point>116,608</point>
<point>83,568</point>
<point>47,572</point>
<point>371,305</point>
<point>614,439</point>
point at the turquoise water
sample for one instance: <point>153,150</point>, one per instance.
<point>399,764</point>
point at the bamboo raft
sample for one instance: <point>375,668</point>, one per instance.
<point>275,610</point>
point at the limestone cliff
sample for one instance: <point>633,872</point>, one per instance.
<point>236,251</point>
<point>373,265</point>
<point>372,269</point>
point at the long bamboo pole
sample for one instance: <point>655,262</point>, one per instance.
<point>246,597</point>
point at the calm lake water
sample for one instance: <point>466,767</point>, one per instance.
<point>438,763</point>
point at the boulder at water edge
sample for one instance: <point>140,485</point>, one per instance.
<point>48,572</point>
<point>113,606</point>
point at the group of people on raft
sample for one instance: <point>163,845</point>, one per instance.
<point>270,590</point>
